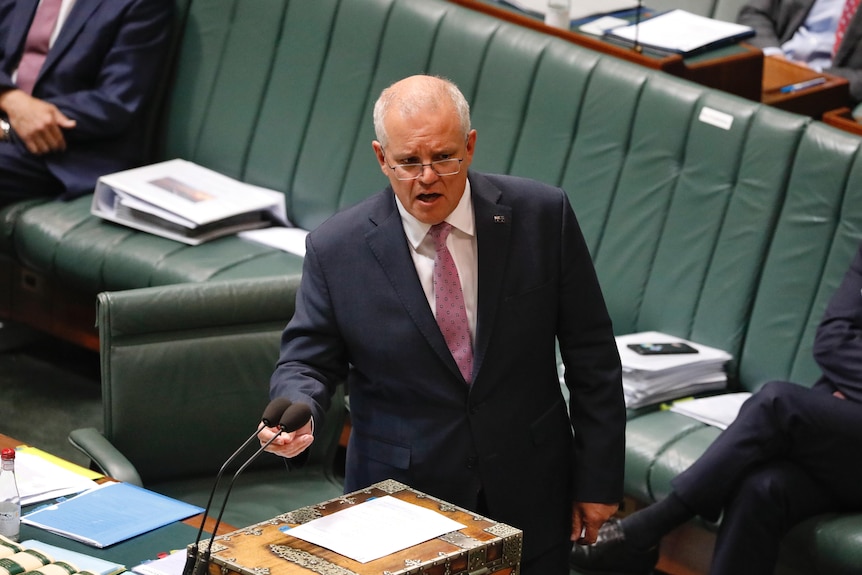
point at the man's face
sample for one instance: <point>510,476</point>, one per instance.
<point>424,137</point>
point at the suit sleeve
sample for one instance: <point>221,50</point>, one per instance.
<point>128,72</point>
<point>854,76</point>
<point>838,343</point>
<point>762,16</point>
<point>592,374</point>
<point>313,359</point>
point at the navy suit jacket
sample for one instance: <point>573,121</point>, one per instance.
<point>100,72</point>
<point>838,345</point>
<point>362,317</point>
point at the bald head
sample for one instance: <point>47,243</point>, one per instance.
<point>416,94</point>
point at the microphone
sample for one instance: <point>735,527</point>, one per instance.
<point>637,47</point>
<point>295,416</point>
<point>273,412</point>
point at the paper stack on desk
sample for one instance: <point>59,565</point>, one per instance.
<point>650,379</point>
<point>42,477</point>
<point>681,32</point>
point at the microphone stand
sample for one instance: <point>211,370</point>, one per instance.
<point>192,552</point>
<point>200,568</point>
<point>276,406</point>
<point>637,47</point>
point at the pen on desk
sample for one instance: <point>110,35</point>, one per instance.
<point>802,85</point>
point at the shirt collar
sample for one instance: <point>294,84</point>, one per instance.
<point>461,218</point>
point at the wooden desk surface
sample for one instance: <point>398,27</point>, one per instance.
<point>6,441</point>
<point>815,101</point>
<point>736,69</point>
<point>843,118</point>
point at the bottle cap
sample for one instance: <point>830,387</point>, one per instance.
<point>7,453</point>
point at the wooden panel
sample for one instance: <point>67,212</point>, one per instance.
<point>734,69</point>
<point>778,73</point>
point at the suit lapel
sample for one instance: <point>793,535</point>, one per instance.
<point>386,240</point>
<point>493,230</point>
<point>21,16</point>
<point>78,16</point>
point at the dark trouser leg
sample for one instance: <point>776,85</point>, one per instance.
<point>24,176</point>
<point>782,422</point>
<point>770,500</point>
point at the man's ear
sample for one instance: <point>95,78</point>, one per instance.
<point>378,151</point>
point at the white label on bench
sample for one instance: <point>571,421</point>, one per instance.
<point>715,118</point>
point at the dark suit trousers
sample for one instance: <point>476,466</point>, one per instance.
<point>791,453</point>
<point>24,176</point>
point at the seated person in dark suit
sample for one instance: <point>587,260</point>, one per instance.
<point>792,453</point>
<point>810,32</point>
<point>75,79</point>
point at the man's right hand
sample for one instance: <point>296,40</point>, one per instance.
<point>37,123</point>
<point>287,444</point>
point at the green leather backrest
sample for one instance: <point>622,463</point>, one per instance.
<point>280,92</point>
<point>678,212</point>
<point>185,373</point>
<point>818,233</point>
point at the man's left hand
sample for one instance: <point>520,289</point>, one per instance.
<point>587,518</point>
<point>39,124</point>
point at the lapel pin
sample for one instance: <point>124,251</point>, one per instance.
<point>499,219</point>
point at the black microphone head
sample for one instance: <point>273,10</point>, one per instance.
<point>274,411</point>
<point>295,417</point>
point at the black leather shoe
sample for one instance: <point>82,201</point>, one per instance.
<point>611,555</point>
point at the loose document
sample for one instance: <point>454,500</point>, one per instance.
<point>376,528</point>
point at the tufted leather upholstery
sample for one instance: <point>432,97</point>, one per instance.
<point>184,382</point>
<point>709,217</point>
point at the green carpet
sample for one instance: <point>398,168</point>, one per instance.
<point>49,388</point>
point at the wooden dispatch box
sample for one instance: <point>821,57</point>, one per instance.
<point>483,547</point>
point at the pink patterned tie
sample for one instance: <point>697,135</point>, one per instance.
<point>846,16</point>
<point>37,43</point>
<point>451,312</point>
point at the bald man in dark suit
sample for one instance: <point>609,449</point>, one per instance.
<point>484,426</point>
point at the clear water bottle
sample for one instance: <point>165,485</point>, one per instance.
<point>10,500</point>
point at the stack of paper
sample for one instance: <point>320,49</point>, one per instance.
<point>717,410</point>
<point>650,379</point>
<point>41,476</point>
<point>682,32</point>
<point>577,9</point>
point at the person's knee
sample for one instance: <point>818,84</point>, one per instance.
<point>776,395</point>
<point>763,492</point>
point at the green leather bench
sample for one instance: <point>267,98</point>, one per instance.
<point>184,377</point>
<point>709,217</point>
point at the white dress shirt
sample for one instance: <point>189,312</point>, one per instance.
<point>461,243</point>
<point>812,43</point>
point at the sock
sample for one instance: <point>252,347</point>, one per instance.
<point>643,529</point>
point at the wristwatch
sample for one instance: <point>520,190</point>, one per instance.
<point>5,130</point>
